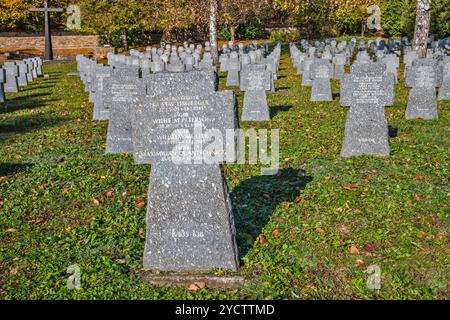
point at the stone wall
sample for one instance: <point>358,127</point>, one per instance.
<point>16,42</point>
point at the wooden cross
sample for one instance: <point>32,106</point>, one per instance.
<point>48,55</point>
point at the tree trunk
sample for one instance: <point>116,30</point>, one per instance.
<point>422,27</point>
<point>125,39</point>
<point>233,33</point>
<point>363,28</point>
<point>213,31</point>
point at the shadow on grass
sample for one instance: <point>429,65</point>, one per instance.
<point>277,109</point>
<point>32,101</point>
<point>393,132</point>
<point>282,88</point>
<point>9,169</point>
<point>255,199</point>
<point>24,124</point>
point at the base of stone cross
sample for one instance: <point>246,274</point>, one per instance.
<point>422,104</point>
<point>190,224</point>
<point>184,280</point>
<point>321,90</point>
<point>366,132</point>
<point>255,106</point>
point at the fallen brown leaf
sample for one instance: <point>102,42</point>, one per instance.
<point>95,202</point>
<point>352,187</point>
<point>276,233</point>
<point>418,198</point>
<point>354,250</point>
<point>109,193</point>
<point>369,247</point>
<point>140,204</point>
<point>423,234</point>
<point>141,233</point>
<point>359,262</point>
<point>11,230</point>
<point>14,270</point>
<point>320,230</point>
<point>196,286</point>
<point>262,239</point>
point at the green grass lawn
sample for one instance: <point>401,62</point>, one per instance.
<point>323,220</point>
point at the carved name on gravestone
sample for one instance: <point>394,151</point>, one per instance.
<point>366,127</point>
<point>190,224</point>
<point>321,73</point>
<point>12,72</point>
<point>422,103</point>
<point>255,81</point>
<point>2,80</point>
<point>100,76</point>
<point>121,91</point>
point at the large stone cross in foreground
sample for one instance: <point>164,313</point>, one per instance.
<point>48,55</point>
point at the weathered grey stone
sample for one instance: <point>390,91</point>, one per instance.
<point>123,93</point>
<point>100,76</point>
<point>197,81</point>
<point>22,77</point>
<point>444,90</point>
<point>223,59</point>
<point>189,213</point>
<point>346,90</point>
<point>255,81</point>
<point>366,127</point>
<point>321,73</point>
<point>29,62</point>
<point>12,72</point>
<point>339,61</point>
<point>233,70</point>
<point>422,103</point>
<point>306,72</point>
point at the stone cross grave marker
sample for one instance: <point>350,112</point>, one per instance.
<point>121,91</point>
<point>100,75</point>
<point>233,68</point>
<point>306,71</point>
<point>339,61</point>
<point>190,225</point>
<point>422,103</point>
<point>255,81</point>
<point>23,70</point>
<point>12,72</point>
<point>321,73</point>
<point>48,54</point>
<point>444,90</point>
<point>366,127</point>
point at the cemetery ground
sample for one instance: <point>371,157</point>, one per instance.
<point>310,232</point>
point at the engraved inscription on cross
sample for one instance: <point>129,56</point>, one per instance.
<point>48,55</point>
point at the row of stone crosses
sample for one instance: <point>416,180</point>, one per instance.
<point>370,85</point>
<point>16,74</point>
<point>146,97</point>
